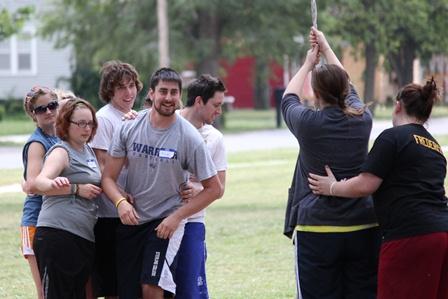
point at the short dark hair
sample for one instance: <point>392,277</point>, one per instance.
<point>112,74</point>
<point>418,100</point>
<point>165,74</point>
<point>205,87</point>
<point>65,116</point>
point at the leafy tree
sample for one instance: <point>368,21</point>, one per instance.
<point>203,33</point>
<point>227,29</point>
<point>360,23</point>
<point>11,23</point>
<point>99,31</point>
<point>401,30</point>
<point>414,28</point>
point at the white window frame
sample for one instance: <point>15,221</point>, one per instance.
<point>14,55</point>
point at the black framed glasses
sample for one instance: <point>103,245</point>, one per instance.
<point>53,105</point>
<point>83,123</point>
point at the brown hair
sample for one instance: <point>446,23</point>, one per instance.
<point>65,115</point>
<point>418,100</point>
<point>331,84</point>
<point>112,74</point>
<point>31,97</point>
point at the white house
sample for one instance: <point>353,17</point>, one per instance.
<point>27,60</point>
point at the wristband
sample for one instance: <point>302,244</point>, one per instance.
<point>119,202</point>
<point>74,189</point>
<point>331,187</point>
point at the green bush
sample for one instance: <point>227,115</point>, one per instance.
<point>12,106</point>
<point>2,112</point>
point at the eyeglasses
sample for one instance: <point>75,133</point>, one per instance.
<point>83,124</point>
<point>53,105</point>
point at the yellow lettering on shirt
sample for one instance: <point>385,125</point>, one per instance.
<point>428,143</point>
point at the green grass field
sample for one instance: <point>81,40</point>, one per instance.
<point>248,257</point>
<point>237,120</point>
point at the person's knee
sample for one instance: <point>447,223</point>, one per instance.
<point>151,292</point>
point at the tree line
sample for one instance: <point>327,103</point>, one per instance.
<point>204,33</point>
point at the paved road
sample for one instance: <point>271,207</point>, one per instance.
<point>284,139</point>
<point>10,157</point>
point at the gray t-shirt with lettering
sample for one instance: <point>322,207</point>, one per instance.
<point>71,213</point>
<point>159,161</point>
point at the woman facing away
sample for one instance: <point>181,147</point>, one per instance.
<point>64,240</point>
<point>405,171</point>
<point>336,239</point>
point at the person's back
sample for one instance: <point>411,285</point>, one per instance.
<point>329,136</point>
<point>337,134</point>
<point>411,200</point>
<point>405,171</point>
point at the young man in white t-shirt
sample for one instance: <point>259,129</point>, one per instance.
<point>119,87</point>
<point>204,100</point>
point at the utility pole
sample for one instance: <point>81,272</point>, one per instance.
<point>162,26</point>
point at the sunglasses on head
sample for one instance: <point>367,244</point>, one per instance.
<point>37,90</point>
<point>53,105</point>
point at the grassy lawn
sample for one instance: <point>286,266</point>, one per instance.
<point>248,257</point>
<point>237,120</point>
<point>10,176</point>
<point>16,125</point>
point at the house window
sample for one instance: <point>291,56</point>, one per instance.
<point>24,52</point>
<point>18,54</point>
<point>5,55</point>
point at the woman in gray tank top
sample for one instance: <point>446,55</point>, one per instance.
<point>64,241</point>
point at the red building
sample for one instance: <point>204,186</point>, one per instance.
<point>240,79</point>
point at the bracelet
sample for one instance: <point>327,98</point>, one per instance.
<point>331,187</point>
<point>119,202</point>
<point>74,189</point>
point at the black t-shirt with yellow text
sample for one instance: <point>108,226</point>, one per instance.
<point>411,199</point>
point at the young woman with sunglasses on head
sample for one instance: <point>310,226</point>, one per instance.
<point>64,241</point>
<point>41,105</point>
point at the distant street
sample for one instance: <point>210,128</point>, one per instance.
<point>10,157</point>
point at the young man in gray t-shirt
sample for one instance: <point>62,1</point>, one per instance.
<point>161,149</point>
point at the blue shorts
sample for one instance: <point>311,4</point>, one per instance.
<point>190,277</point>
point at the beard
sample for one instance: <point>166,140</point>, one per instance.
<point>164,111</point>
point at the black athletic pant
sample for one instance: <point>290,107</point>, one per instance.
<point>65,262</point>
<point>337,265</point>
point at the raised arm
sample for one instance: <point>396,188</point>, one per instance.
<point>318,38</point>
<point>296,84</point>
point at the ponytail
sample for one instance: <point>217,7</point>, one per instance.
<point>418,100</point>
<point>332,84</point>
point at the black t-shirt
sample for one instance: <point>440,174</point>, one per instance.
<point>411,200</point>
<point>328,137</point>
